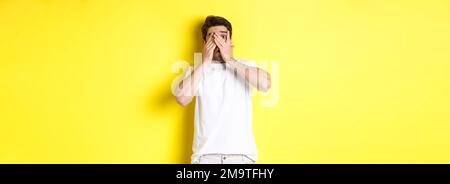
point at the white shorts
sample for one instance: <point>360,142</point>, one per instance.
<point>223,159</point>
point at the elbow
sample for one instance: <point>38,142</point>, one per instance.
<point>183,100</point>
<point>265,87</point>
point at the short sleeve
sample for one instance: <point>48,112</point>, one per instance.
<point>248,63</point>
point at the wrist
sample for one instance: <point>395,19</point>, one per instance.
<point>232,63</point>
<point>230,60</point>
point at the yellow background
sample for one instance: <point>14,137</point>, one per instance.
<point>360,81</point>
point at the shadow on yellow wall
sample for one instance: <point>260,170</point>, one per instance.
<point>165,98</point>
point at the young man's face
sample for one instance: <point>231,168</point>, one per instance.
<point>221,31</point>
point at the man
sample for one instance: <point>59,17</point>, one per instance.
<point>223,112</point>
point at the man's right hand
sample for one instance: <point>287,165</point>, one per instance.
<point>208,50</point>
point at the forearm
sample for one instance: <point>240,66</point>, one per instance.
<point>188,87</point>
<point>257,77</point>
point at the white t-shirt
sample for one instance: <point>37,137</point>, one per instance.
<point>223,113</point>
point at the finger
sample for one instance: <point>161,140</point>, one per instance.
<point>208,39</point>
<point>219,38</point>
<point>221,41</point>
<point>210,46</point>
<point>218,43</point>
<point>213,44</point>
<point>211,38</point>
<point>208,43</point>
